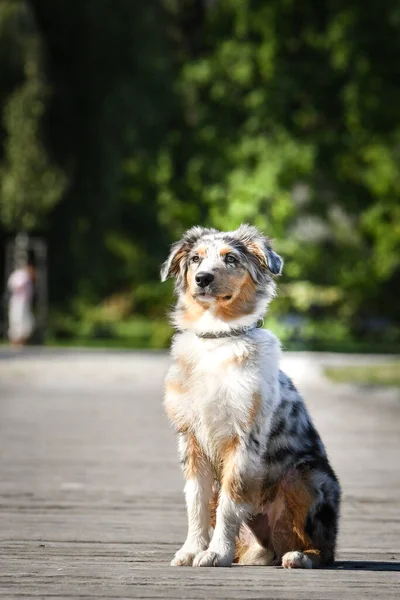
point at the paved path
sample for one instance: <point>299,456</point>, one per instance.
<point>91,499</point>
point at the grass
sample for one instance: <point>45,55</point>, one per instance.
<point>386,374</point>
<point>95,330</point>
<point>137,332</point>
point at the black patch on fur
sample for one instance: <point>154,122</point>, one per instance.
<point>309,527</point>
<point>283,405</point>
<point>295,410</point>
<point>335,494</point>
<point>286,382</point>
<point>311,437</point>
<point>279,455</point>
<point>326,515</point>
<point>305,460</point>
<point>315,462</point>
<point>235,243</point>
<point>322,529</point>
<point>330,471</point>
<point>254,443</point>
<point>283,379</point>
<point>277,428</point>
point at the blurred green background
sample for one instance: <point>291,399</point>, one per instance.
<point>123,123</point>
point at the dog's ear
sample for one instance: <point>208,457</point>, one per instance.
<point>172,266</point>
<point>176,263</point>
<point>259,252</point>
<point>275,262</point>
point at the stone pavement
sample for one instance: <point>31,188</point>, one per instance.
<point>91,502</point>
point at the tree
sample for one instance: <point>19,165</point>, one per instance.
<point>291,122</point>
<point>29,185</point>
<point>169,113</point>
<point>113,104</point>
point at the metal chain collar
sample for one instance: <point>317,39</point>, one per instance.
<point>212,335</point>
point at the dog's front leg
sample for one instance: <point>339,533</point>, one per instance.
<point>198,492</point>
<point>233,508</point>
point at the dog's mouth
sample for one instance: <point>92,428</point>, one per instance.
<point>205,296</point>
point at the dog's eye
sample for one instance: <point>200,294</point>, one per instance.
<point>230,258</point>
<point>195,259</point>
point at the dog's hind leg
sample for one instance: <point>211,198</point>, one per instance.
<point>249,551</point>
<point>297,537</point>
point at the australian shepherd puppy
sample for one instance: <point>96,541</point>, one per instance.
<point>257,474</point>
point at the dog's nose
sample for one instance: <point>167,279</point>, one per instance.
<point>203,278</point>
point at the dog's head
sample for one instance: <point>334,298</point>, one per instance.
<point>229,274</point>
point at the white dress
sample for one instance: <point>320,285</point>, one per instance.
<point>21,321</point>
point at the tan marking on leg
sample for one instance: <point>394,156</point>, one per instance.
<point>255,409</point>
<point>185,366</point>
<point>288,533</point>
<point>250,551</point>
<point>314,556</point>
<point>231,482</point>
<point>281,535</point>
<point>213,508</point>
<point>269,494</point>
<point>238,489</point>
<point>179,424</point>
<point>253,554</point>
<point>299,497</point>
<point>175,386</point>
<point>195,458</point>
<point>227,451</point>
<point>240,548</point>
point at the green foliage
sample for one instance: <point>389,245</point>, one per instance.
<point>29,185</point>
<point>134,332</point>
<point>290,132</point>
<point>385,374</point>
<point>166,114</point>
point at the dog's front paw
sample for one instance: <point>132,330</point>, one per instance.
<point>183,559</point>
<point>185,555</point>
<point>208,558</point>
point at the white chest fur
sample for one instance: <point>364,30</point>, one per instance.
<point>214,387</point>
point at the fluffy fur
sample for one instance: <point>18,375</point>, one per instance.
<point>255,467</point>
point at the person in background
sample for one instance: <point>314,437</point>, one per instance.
<point>21,321</point>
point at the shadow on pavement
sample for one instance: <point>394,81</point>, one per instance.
<point>366,565</point>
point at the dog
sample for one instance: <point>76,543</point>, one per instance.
<point>256,471</point>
